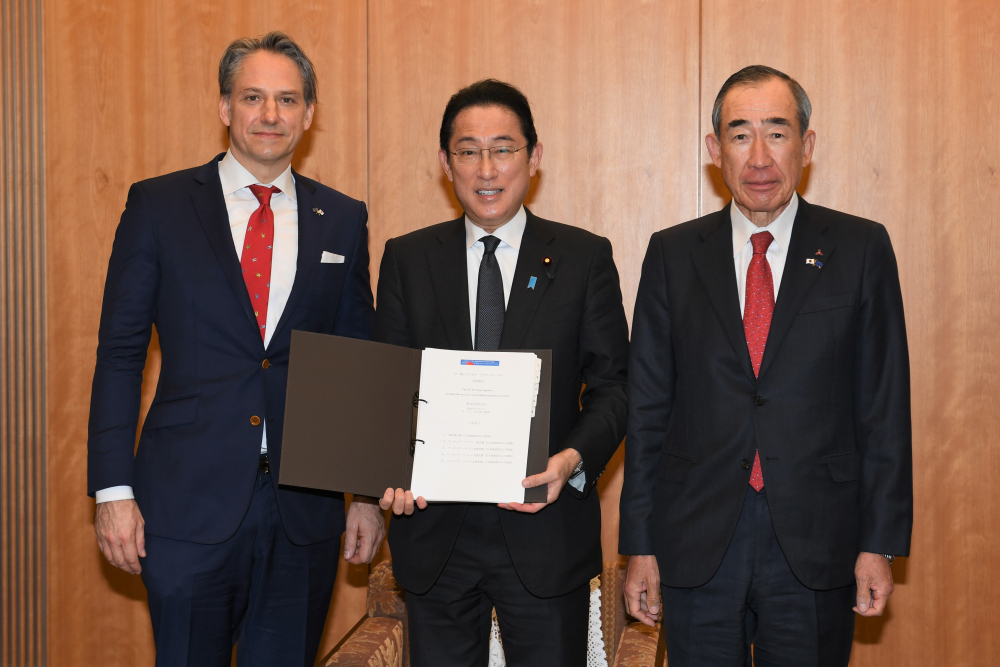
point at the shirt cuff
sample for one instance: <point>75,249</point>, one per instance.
<point>114,493</point>
<point>578,481</point>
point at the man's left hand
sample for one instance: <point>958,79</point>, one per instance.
<point>556,475</point>
<point>874,577</point>
<point>365,530</point>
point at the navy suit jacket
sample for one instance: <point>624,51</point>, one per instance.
<point>174,265</point>
<point>829,412</point>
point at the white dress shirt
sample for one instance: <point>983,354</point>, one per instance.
<point>743,229</point>
<point>506,253</point>
<point>240,204</point>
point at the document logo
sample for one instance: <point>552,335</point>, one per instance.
<point>479,362</point>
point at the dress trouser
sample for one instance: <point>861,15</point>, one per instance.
<point>450,623</point>
<point>256,589</point>
<point>755,600</point>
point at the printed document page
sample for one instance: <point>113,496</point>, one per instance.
<point>473,425</point>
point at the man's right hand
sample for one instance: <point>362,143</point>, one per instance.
<point>120,535</point>
<point>642,589</point>
<point>401,502</point>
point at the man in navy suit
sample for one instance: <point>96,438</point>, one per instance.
<point>225,260</point>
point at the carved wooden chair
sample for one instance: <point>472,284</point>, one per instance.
<point>380,639</point>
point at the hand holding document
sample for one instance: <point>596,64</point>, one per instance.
<point>474,424</point>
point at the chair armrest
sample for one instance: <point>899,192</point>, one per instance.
<point>614,618</point>
<point>637,646</point>
<point>376,642</point>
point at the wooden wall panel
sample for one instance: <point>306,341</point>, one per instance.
<point>613,87</point>
<point>905,97</point>
<point>22,338</point>
<point>131,92</point>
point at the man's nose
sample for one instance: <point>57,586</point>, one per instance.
<point>487,167</point>
<point>759,155</point>
<point>270,114</point>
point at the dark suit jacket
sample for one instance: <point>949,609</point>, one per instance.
<point>423,301</point>
<point>830,412</point>
<point>173,264</point>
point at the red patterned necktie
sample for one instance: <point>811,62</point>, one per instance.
<point>256,256</point>
<point>757,319</point>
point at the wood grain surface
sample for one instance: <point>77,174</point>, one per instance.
<point>906,99</point>
<point>131,92</point>
<point>905,102</point>
<point>613,87</point>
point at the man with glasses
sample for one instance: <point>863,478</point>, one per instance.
<point>502,278</point>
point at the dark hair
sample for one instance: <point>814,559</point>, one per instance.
<point>489,93</point>
<point>273,42</point>
<point>753,75</point>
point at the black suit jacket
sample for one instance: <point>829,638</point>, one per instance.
<point>174,265</point>
<point>423,301</point>
<point>829,414</point>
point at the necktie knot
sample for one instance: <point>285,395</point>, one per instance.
<point>264,193</point>
<point>490,243</point>
<point>760,242</point>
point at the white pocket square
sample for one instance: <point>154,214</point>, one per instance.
<point>331,258</point>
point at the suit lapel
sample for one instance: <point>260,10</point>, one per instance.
<point>798,278</point>
<point>446,263</point>
<point>210,205</point>
<point>523,302</point>
<point>310,233</point>
<point>716,268</point>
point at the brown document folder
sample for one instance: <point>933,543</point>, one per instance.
<point>351,411</point>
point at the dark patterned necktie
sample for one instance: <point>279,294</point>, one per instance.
<point>757,314</point>
<point>489,298</point>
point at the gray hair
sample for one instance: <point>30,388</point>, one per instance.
<point>273,42</point>
<point>756,74</point>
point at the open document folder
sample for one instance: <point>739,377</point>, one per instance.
<point>361,417</point>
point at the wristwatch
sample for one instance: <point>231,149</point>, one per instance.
<point>889,558</point>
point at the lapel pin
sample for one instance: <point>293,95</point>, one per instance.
<point>815,262</point>
<point>318,211</point>
<point>531,282</point>
<point>547,263</point>
<point>819,253</point>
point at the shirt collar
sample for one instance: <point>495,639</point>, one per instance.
<point>780,227</point>
<point>509,233</point>
<point>235,177</point>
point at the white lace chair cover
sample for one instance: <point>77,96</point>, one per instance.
<point>596,657</point>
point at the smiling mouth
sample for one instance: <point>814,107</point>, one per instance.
<point>488,193</point>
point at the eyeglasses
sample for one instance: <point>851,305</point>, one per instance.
<point>499,154</point>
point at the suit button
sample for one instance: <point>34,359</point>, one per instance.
<point>255,420</point>
<point>745,464</point>
<point>265,363</point>
<point>758,400</point>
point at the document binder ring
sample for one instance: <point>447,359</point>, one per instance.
<point>413,423</point>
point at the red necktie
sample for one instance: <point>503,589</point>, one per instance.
<point>256,256</point>
<point>757,319</point>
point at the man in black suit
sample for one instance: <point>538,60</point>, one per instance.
<point>768,475</point>
<point>502,278</point>
<point>225,260</point>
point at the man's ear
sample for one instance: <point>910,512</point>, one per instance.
<point>310,110</point>
<point>443,159</point>
<point>714,149</point>
<point>224,111</point>
<point>808,144</point>
<point>534,159</point>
